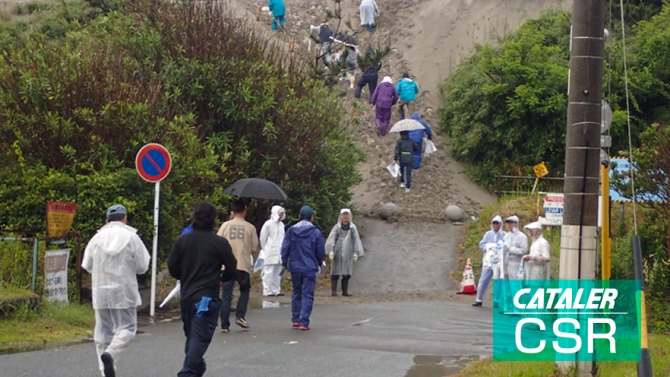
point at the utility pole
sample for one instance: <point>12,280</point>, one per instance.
<point>579,241</point>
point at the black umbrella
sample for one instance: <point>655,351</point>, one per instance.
<point>346,39</point>
<point>256,188</point>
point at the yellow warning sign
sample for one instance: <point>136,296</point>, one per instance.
<point>541,170</point>
<point>60,216</point>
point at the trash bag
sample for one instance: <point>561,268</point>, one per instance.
<point>394,169</point>
<point>260,262</point>
<point>430,148</point>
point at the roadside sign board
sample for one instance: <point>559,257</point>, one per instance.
<point>553,209</point>
<point>541,170</point>
<point>60,216</point>
<point>55,273</point>
<point>153,162</point>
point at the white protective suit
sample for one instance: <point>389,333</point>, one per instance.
<point>272,236</point>
<point>488,246</point>
<point>369,11</point>
<point>516,243</point>
<point>114,256</point>
<point>538,267</point>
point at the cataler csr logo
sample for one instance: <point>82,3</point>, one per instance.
<point>566,320</point>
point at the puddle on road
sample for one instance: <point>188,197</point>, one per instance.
<point>10,348</point>
<point>438,366</point>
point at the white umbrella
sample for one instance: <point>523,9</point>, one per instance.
<point>407,125</point>
<point>175,292</point>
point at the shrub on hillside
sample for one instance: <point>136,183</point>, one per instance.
<point>75,111</point>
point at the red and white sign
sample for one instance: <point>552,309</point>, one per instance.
<point>153,162</point>
<point>553,209</point>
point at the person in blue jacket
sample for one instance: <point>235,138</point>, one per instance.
<point>417,136</point>
<point>278,11</point>
<point>303,251</point>
<point>407,90</point>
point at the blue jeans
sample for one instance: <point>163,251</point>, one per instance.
<point>303,296</point>
<point>406,171</point>
<point>274,22</point>
<point>199,332</point>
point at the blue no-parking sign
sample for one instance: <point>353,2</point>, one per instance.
<point>153,162</point>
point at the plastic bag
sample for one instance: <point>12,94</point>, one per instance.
<point>430,148</point>
<point>260,262</point>
<point>521,272</point>
<point>394,169</point>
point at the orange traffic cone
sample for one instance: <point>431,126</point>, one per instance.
<point>468,283</point>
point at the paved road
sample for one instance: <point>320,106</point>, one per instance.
<point>419,339</point>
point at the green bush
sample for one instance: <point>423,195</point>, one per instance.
<point>75,110</point>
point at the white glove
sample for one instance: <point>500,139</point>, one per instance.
<point>355,258</point>
<point>331,255</point>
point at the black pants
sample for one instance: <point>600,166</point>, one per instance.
<point>199,332</point>
<point>371,81</point>
<point>244,280</point>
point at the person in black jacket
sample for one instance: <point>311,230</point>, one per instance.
<point>370,75</point>
<point>404,151</point>
<point>196,261</point>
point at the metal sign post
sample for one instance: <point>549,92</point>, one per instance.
<point>153,163</point>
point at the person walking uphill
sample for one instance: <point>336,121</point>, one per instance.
<point>417,136</point>
<point>303,251</point>
<point>278,12</point>
<point>114,256</point>
<point>370,76</point>
<point>244,241</point>
<point>490,237</point>
<point>196,261</point>
<point>404,151</point>
<point>344,247</point>
<point>384,97</point>
<point>407,90</point>
<point>369,11</point>
<point>272,236</point>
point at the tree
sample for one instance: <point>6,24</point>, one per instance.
<point>504,107</point>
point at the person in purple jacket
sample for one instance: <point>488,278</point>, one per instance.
<point>384,97</point>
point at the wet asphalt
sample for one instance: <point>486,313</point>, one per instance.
<point>388,338</point>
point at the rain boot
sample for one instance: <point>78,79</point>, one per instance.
<point>345,285</point>
<point>333,284</point>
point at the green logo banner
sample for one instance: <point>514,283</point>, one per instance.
<point>566,320</point>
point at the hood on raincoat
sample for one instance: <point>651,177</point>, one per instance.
<point>351,217</point>
<point>278,213</point>
<point>497,218</point>
<point>113,241</point>
<point>388,79</point>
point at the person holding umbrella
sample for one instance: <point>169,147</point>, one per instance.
<point>272,236</point>
<point>405,149</point>
<point>384,97</point>
<point>243,239</point>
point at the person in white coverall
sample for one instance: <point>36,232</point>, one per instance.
<point>272,236</point>
<point>490,237</point>
<point>516,246</point>
<point>114,256</point>
<point>369,11</point>
<point>536,264</point>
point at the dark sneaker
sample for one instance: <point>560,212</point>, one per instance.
<point>296,325</point>
<point>280,294</point>
<point>108,363</point>
<point>242,323</point>
<point>304,328</point>
<point>477,304</point>
<point>225,330</point>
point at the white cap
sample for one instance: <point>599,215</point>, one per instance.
<point>534,225</point>
<point>512,219</point>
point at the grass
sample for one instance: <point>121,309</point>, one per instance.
<point>660,357</point>
<point>45,323</point>
<point>13,293</point>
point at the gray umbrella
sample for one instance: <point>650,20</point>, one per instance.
<point>407,125</point>
<point>256,188</point>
